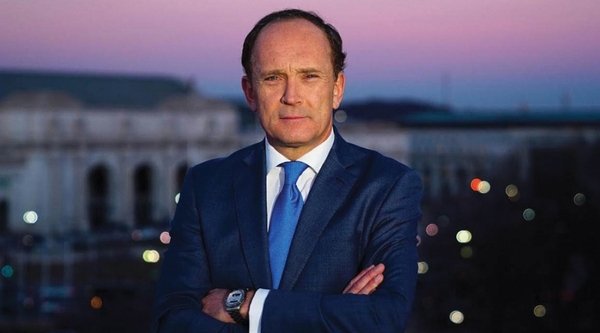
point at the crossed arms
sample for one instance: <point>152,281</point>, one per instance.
<point>190,296</point>
<point>364,284</point>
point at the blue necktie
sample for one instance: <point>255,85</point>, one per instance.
<point>286,212</point>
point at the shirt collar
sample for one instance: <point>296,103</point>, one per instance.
<point>314,158</point>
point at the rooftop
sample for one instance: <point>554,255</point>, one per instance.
<point>90,90</point>
<point>421,114</point>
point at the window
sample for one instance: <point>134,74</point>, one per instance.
<point>98,191</point>
<point>142,184</point>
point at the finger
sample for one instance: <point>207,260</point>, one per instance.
<point>370,287</point>
<point>358,277</point>
<point>367,280</point>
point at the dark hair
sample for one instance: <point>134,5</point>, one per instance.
<point>338,56</point>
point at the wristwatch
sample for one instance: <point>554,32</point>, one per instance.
<point>233,303</point>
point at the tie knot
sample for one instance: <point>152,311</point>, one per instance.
<point>293,170</point>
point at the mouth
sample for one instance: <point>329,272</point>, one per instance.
<point>292,117</point>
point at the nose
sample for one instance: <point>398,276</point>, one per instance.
<point>291,94</point>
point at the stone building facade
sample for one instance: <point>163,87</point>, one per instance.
<point>70,163</point>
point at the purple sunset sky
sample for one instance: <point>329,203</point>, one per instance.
<point>491,54</point>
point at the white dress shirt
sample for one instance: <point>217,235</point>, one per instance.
<point>275,177</point>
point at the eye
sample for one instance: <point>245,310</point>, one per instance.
<point>271,78</point>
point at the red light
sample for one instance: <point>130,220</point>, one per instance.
<point>475,184</point>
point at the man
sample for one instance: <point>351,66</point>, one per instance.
<point>358,210</point>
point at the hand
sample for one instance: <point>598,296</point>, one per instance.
<point>366,281</point>
<point>213,304</point>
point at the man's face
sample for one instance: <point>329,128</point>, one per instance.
<point>293,88</point>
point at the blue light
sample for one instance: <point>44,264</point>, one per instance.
<point>7,271</point>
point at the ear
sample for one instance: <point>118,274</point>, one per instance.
<point>249,92</point>
<point>338,90</point>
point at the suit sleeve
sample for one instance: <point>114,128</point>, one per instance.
<point>184,276</point>
<point>392,242</point>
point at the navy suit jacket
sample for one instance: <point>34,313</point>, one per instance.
<point>363,209</point>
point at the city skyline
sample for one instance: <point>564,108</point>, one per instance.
<point>505,54</point>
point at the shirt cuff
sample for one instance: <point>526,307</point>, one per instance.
<point>256,309</point>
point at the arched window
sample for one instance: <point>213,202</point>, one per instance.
<point>143,185</point>
<point>98,196</point>
<point>3,216</point>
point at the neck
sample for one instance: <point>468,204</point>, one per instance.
<point>293,153</point>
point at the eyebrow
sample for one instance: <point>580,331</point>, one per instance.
<point>309,70</point>
<point>271,72</point>
<point>300,71</point>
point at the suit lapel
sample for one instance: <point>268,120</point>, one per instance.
<point>250,196</point>
<point>328,193</point>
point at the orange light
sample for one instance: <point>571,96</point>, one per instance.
<point>475,184</point>
<point>96,302</point>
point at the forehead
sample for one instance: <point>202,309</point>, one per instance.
<point>295,26</point>
<point>291,38</point>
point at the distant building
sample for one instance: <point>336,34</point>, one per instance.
<point>449,149</point>
<point>80,152</point>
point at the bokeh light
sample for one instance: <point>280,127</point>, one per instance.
<point>137,235</point>
<point>484,187</point>
<point>579,199</point>
<point>7,271</point>
<point>443,221</point>
<point>539,311</point>
<point>480,186</point>
<point>528,214</point>
<point>28,240</point>
<point>30,217</point>
<point>422,267</point>
<point>512,191</point>
<point>151,256</point>
<point>96,302</point>
<point>456,317</point>
<point>466,252</point>
<point>165,237</point>
<point>341,116</point>
<point>432,229</point>
<point>475,184</point>
<point>464,236</point>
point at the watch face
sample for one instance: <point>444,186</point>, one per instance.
<point>235,298</point>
